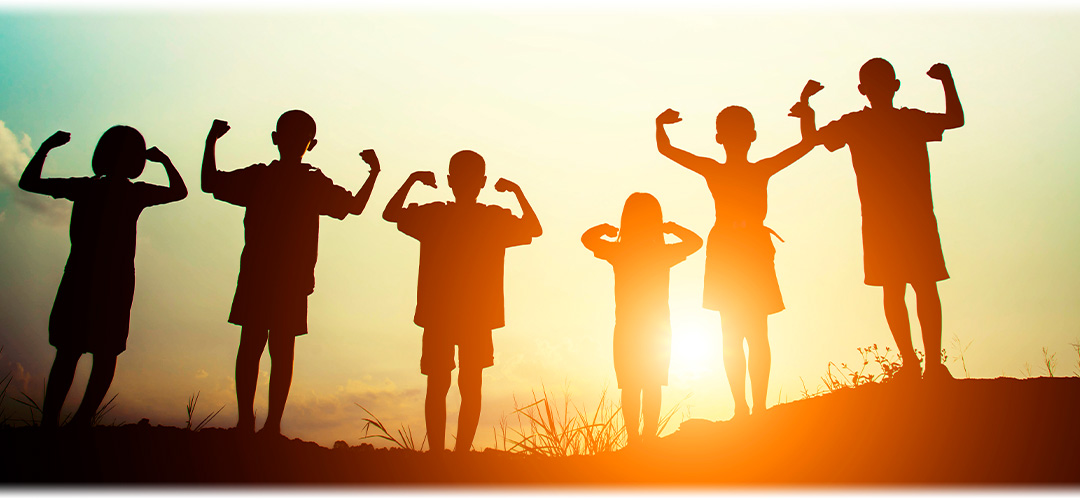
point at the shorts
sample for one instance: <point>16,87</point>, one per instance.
<point>475,350</point>
<point>740,274</point>
<point>262,307</point>
<point>902,251</point>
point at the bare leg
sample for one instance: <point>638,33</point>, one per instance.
<point>435,409</point>
<point>929,310</point>
<point>735,362</point>
<point>248,355</point>
<point>101,377</point>
<point>631,408</point>
<point>757,343</point>
<point>896,314</point>
<point>469,384</point>
<point>282,348</point>
<point>60,377</point>
<point>650,406</point>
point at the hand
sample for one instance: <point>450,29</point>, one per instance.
<point>425,178</point>
<point>218,129</point>
<point>801,110</point>
<point>609,230</point>
<point>668,116</point>
<point>812,87</point>
<point>56,140</point>
<point>940,71</point>
<point>155,155</point>
<point>368,155</point>
<point>503,185</point>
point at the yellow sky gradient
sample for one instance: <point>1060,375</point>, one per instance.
<point>561,102</point>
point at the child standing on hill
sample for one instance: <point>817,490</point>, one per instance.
<point>93,304</point>
<point>642,343</point>
<point>459,292</point>
<point>901,244</point>
<point>281,239</point>
<point>740,278</point>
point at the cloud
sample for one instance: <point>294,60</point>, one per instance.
<point>201,374</point>
<point>326,417</point>
<point>15,153</point>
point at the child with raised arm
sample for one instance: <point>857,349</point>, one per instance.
<point>901,244</point>
<point>459,292</point>
<point>281,239</point>
<point>641,262</point>
<point>93,303</point>
<point>740,278</point>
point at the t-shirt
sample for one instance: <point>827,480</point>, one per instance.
<point>740,194</point>
<point>892,167</point>
<point>281,224</point>
<point>642,279</point>
<point>103,219</point>
<point>462,248</point>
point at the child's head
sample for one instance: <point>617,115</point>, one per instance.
<point>877,81</point>
<point>735,127</point>
<point>121,151</point>
<point>466,177</point>
<point>295,134</point>
<point>642,220</point>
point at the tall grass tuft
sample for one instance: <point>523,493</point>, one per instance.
<point>192,402</point>
<point>559,429</point>
<point>404,438</point>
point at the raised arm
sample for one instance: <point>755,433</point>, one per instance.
<point>362,196</point>
<point>689,242</point>
<point>177,189</point>
<point>209,163</point>
<point>392,212</point>
<point>591,237</point>
<point>31,176</point>
<point>663,144</point>
<point>807,128</point>
<point>954,113</point>
<point>527,215</point>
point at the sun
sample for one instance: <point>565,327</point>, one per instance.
<point>695,347</point>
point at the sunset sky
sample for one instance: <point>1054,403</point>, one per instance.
<point>561,101</point>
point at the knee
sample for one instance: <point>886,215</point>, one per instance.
<point>438,384</point>
<point>282,346</point>
<point>470,384</point>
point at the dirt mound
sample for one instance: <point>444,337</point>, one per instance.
<point>1000,431</point>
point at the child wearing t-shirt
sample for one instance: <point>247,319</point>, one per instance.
<point>642,342</point>
<point>93,303</point>
<point>901,244</point>
<point>459,292</point>
<point>277,267</point>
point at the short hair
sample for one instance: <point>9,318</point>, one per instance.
<point>118,145</point>
<point>296,123</point>
<point>467,163</point>
<point>734,117</point>
<point>876,70</point>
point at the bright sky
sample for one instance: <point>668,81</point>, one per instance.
<point>561,102</point>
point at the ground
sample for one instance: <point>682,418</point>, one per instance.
<point>966,432</point>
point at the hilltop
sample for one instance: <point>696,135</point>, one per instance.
<point>965,432</point>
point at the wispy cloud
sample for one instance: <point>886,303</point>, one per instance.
<point>15,153</point>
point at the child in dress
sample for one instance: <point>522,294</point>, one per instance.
<point>642,342</point>
<point>93,302</point>
<point>740,278</point>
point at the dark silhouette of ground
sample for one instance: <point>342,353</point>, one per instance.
<point>981,431</point>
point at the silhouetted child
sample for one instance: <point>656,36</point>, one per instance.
<point>459,293</point>
<point>93,302</point>
<point>642,342</point>
<point>281,239</point>
<point>740,278</point>
<point>900,236</point>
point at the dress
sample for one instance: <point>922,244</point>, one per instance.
<point>892,168</point>
<point>93,303</point>
<point>641,345</point>
<point>281,240</point>
<point>740,275</point>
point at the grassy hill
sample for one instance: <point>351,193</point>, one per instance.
<point>965,432</point>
